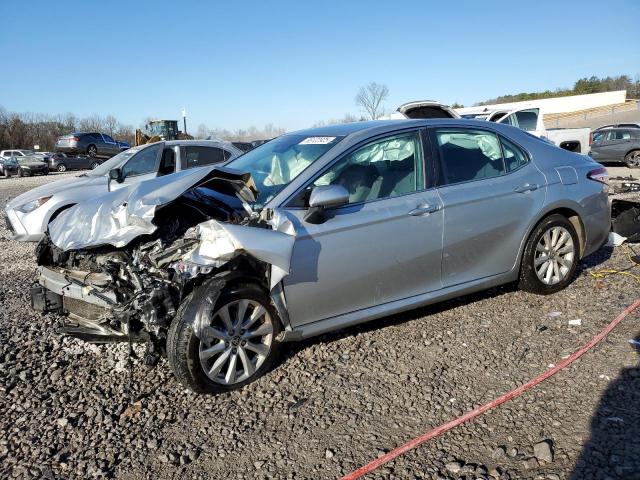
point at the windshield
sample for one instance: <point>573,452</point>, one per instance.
<point>276,163</point>
<point>113,162</point>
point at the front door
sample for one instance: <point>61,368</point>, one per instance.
<point>384,245</point>
<point>490,191</point>
<point>142,166</point>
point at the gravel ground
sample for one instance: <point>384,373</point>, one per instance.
<point>337,401</point>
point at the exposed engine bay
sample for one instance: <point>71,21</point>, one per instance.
<point>121,265</point>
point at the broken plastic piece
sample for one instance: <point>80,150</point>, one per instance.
<point>615,240</point>
<point>575,323</point>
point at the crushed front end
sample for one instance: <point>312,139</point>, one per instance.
<point>120,266</point>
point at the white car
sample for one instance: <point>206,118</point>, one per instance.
<point>29,214</point>
<point>16,153</point>
<point>530,119</point>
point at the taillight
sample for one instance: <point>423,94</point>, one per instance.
<point>76,139</point>
<point>590,138</point>
<point>599,175</point>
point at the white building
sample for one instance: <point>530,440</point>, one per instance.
<point>558,105</point>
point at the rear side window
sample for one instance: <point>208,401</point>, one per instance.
<point>466,155</point>
<point>514,157</point>
<point>142,162</point>
<point>200,156</point>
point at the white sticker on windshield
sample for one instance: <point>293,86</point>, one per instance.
<point>317,140</point>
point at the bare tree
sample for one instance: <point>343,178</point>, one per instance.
<point>370,98</point>
<point>202,132</point>
<point>111,124</point>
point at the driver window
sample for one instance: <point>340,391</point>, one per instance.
<point>382,169</point>
<point>142,162</point>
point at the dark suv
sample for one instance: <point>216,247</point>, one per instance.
<point>616,145</point>
<point>92,144</point>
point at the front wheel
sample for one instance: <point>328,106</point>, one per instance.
<point>61,168</point>
<point>20,172</point>
<point>234,344</point>
<point>632,159</point>
<point>92,151</point>
<point>94,165</point>
<point>550,256</point>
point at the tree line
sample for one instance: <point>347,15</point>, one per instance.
<point>24,130</point>
<point>582,86</point>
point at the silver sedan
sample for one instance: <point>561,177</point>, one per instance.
<point>322,229</point>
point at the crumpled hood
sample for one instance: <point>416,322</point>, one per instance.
<point>66,185</point>
<point>118,217</point>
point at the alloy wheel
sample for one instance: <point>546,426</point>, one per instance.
<point>634,159</point>
<point>236,342</point>
<point>62,168</point>
<point>554,257</point>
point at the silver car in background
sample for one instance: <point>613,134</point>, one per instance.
<point>29,214</point>
<point>319,230</point>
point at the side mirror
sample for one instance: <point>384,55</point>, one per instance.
<point>116,174</point>
<point>323,197</point>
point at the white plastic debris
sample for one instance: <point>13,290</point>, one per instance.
<point>575,323</point>
<point>554,314</point>
<point>615,239</point>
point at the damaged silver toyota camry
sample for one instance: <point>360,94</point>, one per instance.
<point>317,230</point>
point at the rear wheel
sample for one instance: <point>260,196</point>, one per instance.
<point>61,168</point>
<point>235,344</point>
<point>632,159</point>
<point>92,151</point>
<point>20,172</point>
<point>94,165</point>
<point>550,256</point>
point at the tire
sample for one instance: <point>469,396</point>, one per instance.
<point>534,270</point>
<point>61,167</point>
<point>20,172</point>
<point>92,151</point>
<point>632,159</point>
<point>188,355</point>
<point>94,165</point>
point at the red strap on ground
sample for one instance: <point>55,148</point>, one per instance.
<point>370,467</point>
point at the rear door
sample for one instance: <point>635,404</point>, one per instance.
<point>490,191</point>
<point>618,144</point>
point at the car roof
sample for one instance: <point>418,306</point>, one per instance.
<point>382,126</point>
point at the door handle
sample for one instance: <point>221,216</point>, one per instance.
<point>527,187</point>
<point>424,209</point>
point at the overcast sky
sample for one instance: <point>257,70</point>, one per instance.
<point>293,63</point>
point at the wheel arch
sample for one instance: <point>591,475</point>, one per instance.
<point>57,212</point>
<point>567,211</point>
<point>631,150</point>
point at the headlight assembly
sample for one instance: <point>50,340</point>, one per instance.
<point>32,205</point>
